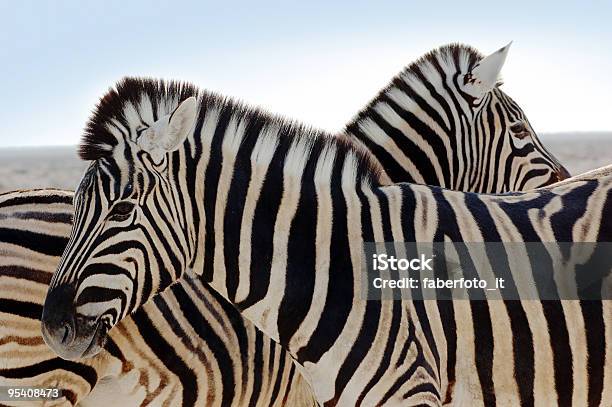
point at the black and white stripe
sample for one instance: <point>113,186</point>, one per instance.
<point>412,136</point>
<point>206,354</point>
<point>273,215</point>
<point>441,122</point>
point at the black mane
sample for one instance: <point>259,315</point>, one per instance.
<point>98,142</point>
<point>450,53</point>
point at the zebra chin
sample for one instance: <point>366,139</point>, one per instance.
<point>70,335</point>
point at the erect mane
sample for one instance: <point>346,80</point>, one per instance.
<point>459,57</point>
<point>450,54</point>
<point>141,95</point>
<point>97,141</point>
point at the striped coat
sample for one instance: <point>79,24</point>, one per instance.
<point>209,356</point>
<point>192,183</point>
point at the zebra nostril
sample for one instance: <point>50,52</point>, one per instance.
<point>67,331</point>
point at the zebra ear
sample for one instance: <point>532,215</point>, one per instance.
<point>180,123</point>
<point>168,133</point>
<point>484,76</point>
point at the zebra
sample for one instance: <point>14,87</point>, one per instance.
<point>439,123</point>
<point>209,356</point>
<point>40,207</point>
<point>273,215</point>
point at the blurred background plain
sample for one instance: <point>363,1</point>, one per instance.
<point>315,61</point>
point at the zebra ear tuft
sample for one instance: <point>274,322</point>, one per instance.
<point>485,75</point>
<point>169,133</point>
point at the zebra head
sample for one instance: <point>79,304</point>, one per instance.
<point>445,121</point>
<point>127,217</point>
<point>513,143</point>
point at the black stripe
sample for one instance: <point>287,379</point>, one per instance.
<point>301,255</point>
<point>211,180</point>
<point>595,332</point>
<point>484,345</point>
<point>445,307</point>
<point>573,206</point>
<point>264,221</point>
<point>339,296</point>
<point>39,242</point>
<point>23,309</point>
<point>561,351</point>
<point>26,273</point>
<point>523,349</point>
<point>500,144</point>
<point>488,151</point>
<point>50,217</point>
<point>290,380</point>
<point>234,209</point>
<point>26,199</point>
<point>191,176</point>
<point>258,370</point>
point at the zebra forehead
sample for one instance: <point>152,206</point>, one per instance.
<point>103,176</point>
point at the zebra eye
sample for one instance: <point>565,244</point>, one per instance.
<point>129,189</point>
<point>519,129</point>
<point>121,211</point>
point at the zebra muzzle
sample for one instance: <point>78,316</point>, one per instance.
<point>69,335</point>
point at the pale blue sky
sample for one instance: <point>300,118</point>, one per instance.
<point>316,61</point>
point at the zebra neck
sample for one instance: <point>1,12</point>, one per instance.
<point>276,207</point>
<point>417,129</point>
<point>284,221</point>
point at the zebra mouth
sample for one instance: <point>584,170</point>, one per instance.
<point>98,340</point>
